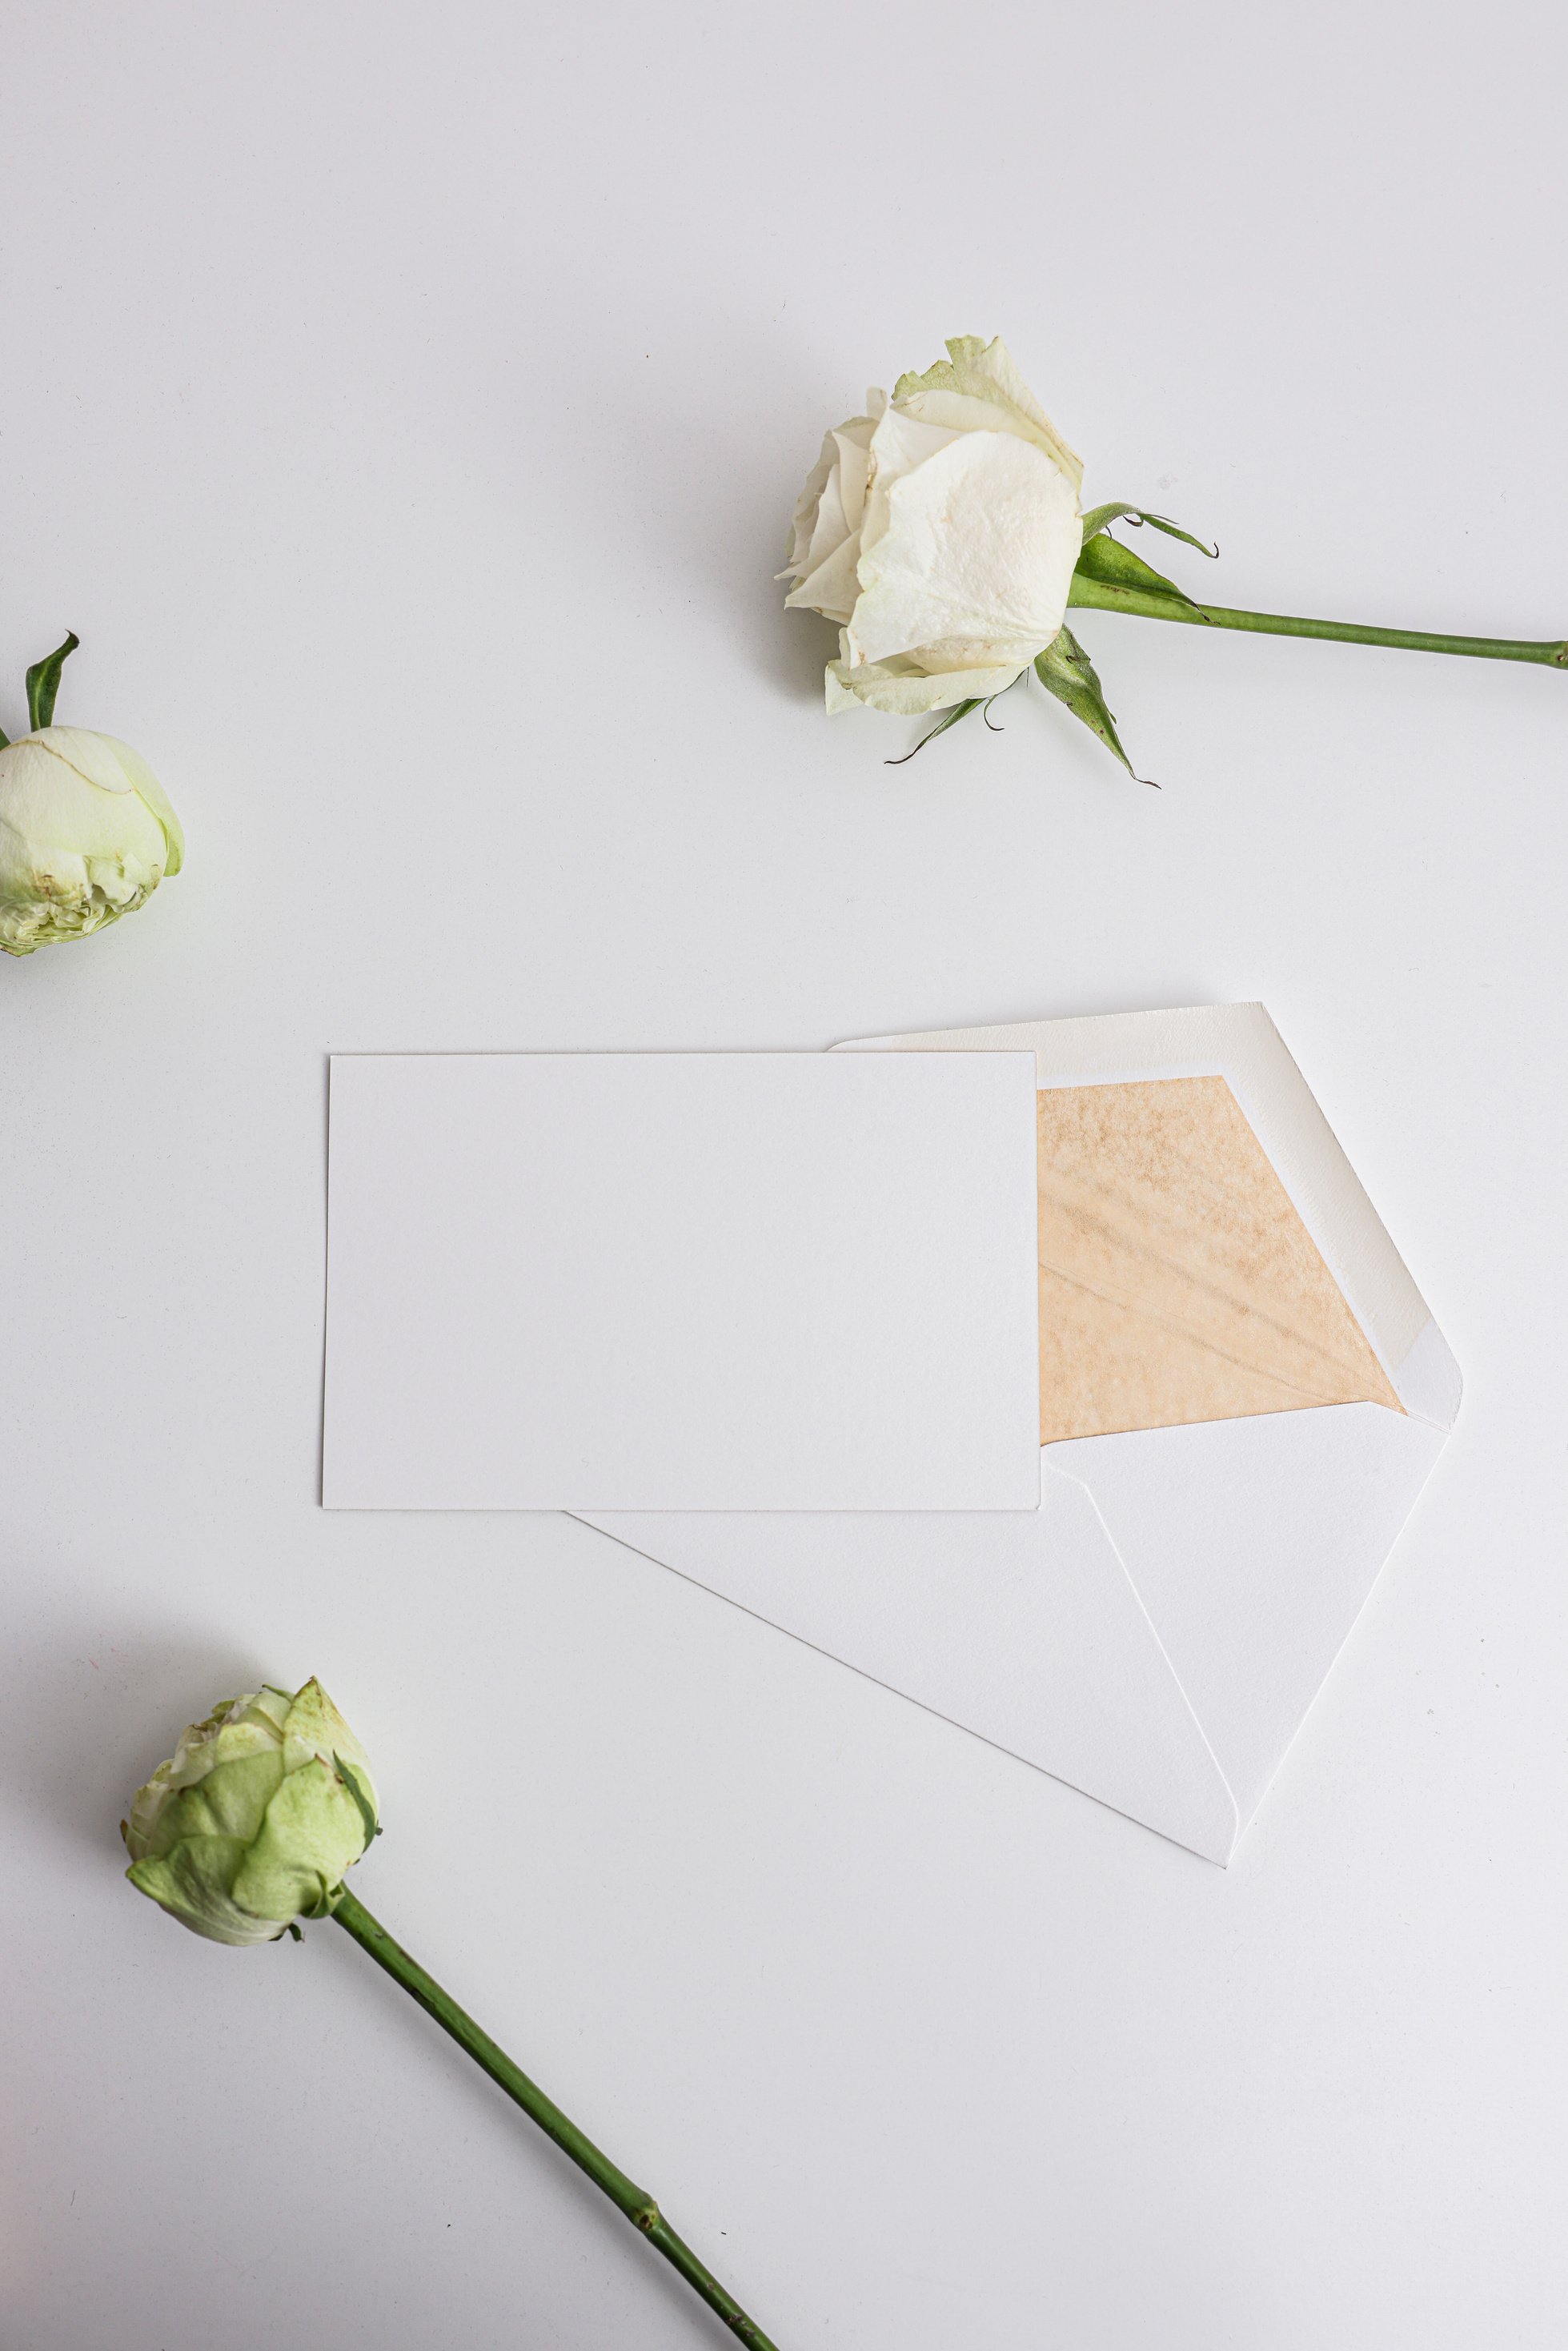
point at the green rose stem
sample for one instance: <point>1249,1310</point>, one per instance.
<point>637,2205</point>
<point>252,1824</point>
<point>1093,594</point>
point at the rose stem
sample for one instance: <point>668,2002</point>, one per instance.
<point>635,2202</point>
<point>1105,599</point>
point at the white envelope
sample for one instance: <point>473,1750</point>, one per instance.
<point>1156,1631</point>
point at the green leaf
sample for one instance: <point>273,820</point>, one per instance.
<point>948,718</point>
<point>350,1780</point>
<point>44,684</point>
<point>1065,669</point>
<point>1114,567</point>
<point>1098,519</point>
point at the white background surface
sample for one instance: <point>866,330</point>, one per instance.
<point>682,1281</point>
<point>406,405</point>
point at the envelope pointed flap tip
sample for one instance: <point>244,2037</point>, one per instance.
<point>1430,1380</point>
<point>1022,1626</point>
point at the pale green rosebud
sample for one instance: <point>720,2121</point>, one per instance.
<point>87,833</point>
<point>255,1818</point>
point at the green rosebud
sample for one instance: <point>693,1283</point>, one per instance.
<point>255,1818</point>
<point>87,833</point>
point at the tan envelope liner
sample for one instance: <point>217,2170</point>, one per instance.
<point>1177,1282</point>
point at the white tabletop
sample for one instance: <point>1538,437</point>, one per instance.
<point>405,405</point>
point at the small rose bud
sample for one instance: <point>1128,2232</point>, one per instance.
<point>87,833</point>
<point>255,1818</point>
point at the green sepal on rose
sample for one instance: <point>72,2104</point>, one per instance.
<point>1065,669</point>
<point>1116,569</point>
<point>1099,518</point>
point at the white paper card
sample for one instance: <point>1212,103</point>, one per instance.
<point>692,1281</point>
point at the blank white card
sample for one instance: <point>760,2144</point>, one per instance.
<point>660,1281</point>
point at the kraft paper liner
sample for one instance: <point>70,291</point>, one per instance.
<point>1177,1283</point>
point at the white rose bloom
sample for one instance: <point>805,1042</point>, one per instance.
<point>940,531</point>
<point>87,834</point>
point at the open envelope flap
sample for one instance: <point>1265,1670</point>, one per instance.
<point>1253,1544</point>
<point>1021,1625</point>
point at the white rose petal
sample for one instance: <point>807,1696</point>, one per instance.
<point>825,540</point>
<point>985,372</point>
<point>906,691</point>
<point>978,544</point>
